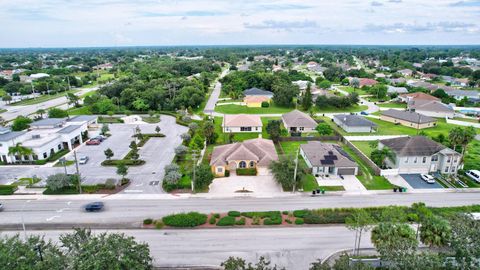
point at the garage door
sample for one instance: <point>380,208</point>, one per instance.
<point>346,171</point>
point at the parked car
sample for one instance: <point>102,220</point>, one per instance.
<point>428,178</point>
<point>363,113</point>
<point>1,207</point>
<point>100,138</point>
<point>93,142</point>
<point>83,160</point>
<point>474,174</point>
<point>94,206</point>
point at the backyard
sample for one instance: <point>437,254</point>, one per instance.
<point>237,109</point>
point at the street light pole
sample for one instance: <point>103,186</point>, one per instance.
<point>78,173</point>
<point>295,171</point>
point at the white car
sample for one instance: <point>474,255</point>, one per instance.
<point>474,174</point>
<point>428,178</point>
<point>83,160</point>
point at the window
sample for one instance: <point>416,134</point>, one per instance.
<point>252,164</point>
<point>415,160</point>
<point>434,158</point>
<point>220,169</point>
<point>301,128</point>
<point>424,160</point>
<point>242,164</point>
<point>59,146</point>
<point>453,169</point>
<point>35,157</point>
<point>446,169</point>
<point>256,128</point>
<point>245,128</point>
<point>455,160</point>
<point>406,160</point>
<point>449,159</point>
<point>45,155</point>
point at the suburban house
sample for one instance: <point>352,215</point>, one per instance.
<point>255,101</point>
<point>241,123</point>
<point>354,123</point>
<point>254,153</point>
<point>432,108</point>
<point>398,90</point>
<point>46,137</point>
<point>327,159</point>
<point>408,118</point>
<point>417,95</point>
<point>297,121</point>
<point>405,72</point>
<point>258,92</point>
<point>419,154</point>
<point>396,81</point>
<point>367,82</point>
<point>471,95</point>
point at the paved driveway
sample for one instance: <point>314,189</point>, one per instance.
<point>350,183</point>
<point>262,185</point>
<point>416,181</point>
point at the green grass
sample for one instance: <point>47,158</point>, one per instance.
<point>67,163</point>
<point>151,119</point>
<point>42,98</point>
<point>470,120</point>
<point>393,105</point>
<point>332,188</point>
<point>290,148</point>
<point>26,181</point>
<point>91,93</point>
<point>367,177</point>
<point>355,108</point>
<point>238,137</point>
<point>84,110</point>
<point>472,156</point>
<point>364,146</point>
<point>350,89</point>
<point>237,109</point>
<point>2,110</point>
<point>265,122</point>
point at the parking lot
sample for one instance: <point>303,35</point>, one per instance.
<point>416,181</point>
<point>157,153</point>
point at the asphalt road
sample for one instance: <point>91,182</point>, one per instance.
<point>293,248</point>
<point>132,209</point>
<point>212,100</point>
<point>14,111</point>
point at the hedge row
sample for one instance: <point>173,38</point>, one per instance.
<point>128,162</point>
<point>191,219</point>
<point>226,221</point>
<point>247,171</point>
<point>7,189</point>
<point>146,137</point>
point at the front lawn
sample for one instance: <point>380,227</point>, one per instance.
<point>41,98</point>
<point>364,146</point>
<point>393,105</point>
<point>84,110</point>
<point>331,109</point>
<point>350,89</point>
<point>290,148</point>
<point>472,156</point>
<point>237,109</point>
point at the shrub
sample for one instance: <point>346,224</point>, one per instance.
<point>147,221</point>
<point>159,224</point>
<point>240,222</point>
<point>300,213</point>
<point>247,171</point>
<point>110,183</point>
<point>191,219</point>
<point>256,220</point>
<point>226,221</point>
<point>124,181</point>
<point>285,212</point>
<point>276,220</point>
<point>299,221</point>
<point>268,214</point>
<point>227,173</point>
<point>288,221</point>
<point>212,220</point>
<point>216,215</point>
<point>7,189</point>
<point>127,162</point>
<point>265,104</point>
<point>234,213</point>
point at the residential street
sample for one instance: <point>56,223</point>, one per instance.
<point>293,248</point>
<point>133,208</point>
<point>210,106</point>
<point>14,111</point>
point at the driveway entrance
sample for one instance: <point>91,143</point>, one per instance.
<point>234,185</point>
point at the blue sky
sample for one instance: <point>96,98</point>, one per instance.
<point>71,23</point>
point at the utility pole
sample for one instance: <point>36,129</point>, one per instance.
<point>295,171</point>
<point>194,158</point>
<point>38,248</point>
<point>78,173</point>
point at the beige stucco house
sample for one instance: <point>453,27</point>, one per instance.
<point>408,119</point>
<point>233,123</point>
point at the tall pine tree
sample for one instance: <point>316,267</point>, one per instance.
<point>307,98</point>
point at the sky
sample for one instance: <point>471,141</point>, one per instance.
<point>97,23</point>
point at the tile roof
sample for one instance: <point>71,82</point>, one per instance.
<point>241,120</point>
<point>408,116</point>
<point>419,95</point>
<point>354,120</point>
<point>399,90</point>
<point>297,118</point>
<point>249,99</point>
<point>326,154</point>
<point>260,150</point>
<point>413,146</point>
<point>429,105</point>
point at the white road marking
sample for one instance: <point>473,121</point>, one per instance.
<point>68,203</point>
<point>139,185</point>
<point>134,191</point>
<point>61,210</point>
<point>52,218</point>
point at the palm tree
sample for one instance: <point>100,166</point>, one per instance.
<point>20,150</point>
<point>455,137</point>
<point>468,136</point>
<point>41,112</point>
<point>380,155</point>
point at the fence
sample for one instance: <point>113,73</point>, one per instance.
<point>363,157</point>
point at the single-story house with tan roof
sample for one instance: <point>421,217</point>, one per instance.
<point>241,123</point>
<point>432,108</point>
<point>297,121</point>
<point>255,101</point>
<point>255,153</point>
<point>408,119</point>
<point>417,95</point>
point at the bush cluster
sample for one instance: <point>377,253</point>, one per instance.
<point>7,189</point>
<point>212,220</point>
<point>191,219</point>
<point>247,171</point>
<point>226,221</point>
<point>234,213</point>
<point>241,221</point>
<point>299,221</point>
<point>128,162</point>
<point>147,221</point>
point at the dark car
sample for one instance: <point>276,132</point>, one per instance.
<point>94,206</point>
<point>1,207</point>
<point>363,113</point>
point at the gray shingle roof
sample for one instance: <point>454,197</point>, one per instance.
<point>257,92</point>
<point>69,129</point>
<point>11,135</point>
<point>354,120</point>
<point>463,93</point>
<point>429,105</point>
<point>297,118</point>
<point>408,116</point>
<point>316,151</point>
<point>413,146</point>
<point>399,90</point>
<point>80,118</point>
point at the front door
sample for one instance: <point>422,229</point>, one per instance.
<point>433,167</point>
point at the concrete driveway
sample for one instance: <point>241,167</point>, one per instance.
<point>415,181</point>
<point>350,183</point>
<point>262,185</point>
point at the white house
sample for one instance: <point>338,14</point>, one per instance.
<point>354,123</point>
